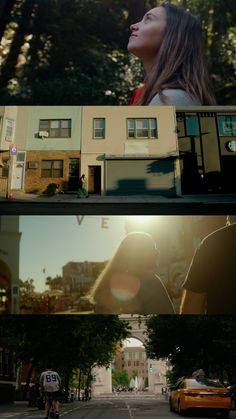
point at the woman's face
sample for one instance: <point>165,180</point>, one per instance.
<point>147,35</point>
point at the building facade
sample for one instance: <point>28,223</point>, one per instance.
<point>9,262</point>
<point>134,361</point>
<point>48,142</point>
<point>78,277</point>
<point>137,150</point>
<point>8,376</point>
<point>207,149</point>
<point>130,150</point>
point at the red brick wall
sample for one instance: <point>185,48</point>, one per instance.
<point>33,180</point>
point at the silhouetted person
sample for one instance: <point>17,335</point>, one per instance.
<point>129,283</point>
<point>210,285</point>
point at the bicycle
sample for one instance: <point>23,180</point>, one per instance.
<point>51,410</point>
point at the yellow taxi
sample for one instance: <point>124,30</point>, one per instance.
<point>192,393</point>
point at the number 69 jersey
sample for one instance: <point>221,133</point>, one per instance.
<point>50,381</point>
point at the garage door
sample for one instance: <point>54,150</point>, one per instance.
<point>140,177</point>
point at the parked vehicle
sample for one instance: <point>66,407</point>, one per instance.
<point>192,393</point>
<point>232,390</point>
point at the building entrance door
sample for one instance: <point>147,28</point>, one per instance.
<point>73,174</point>
<point>228,173</point>
<point>18,175</point>
<point>94,179</point>
<point>190,178</point>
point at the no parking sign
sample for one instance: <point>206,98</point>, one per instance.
<point>13,149</point>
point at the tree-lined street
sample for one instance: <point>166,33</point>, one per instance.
<point>116,407</point>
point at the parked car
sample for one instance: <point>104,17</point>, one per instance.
<point>192,393</point>
<point>232,390</point>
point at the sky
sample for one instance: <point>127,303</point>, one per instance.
<point>132,343</point>
<point>49,242</point>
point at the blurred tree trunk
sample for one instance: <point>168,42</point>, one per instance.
<point>25,22</point>
<point>6,7</point>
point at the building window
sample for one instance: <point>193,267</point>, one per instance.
<point>1,361</point>
<point>4,168</point>
<point>21,156</point>
<point>136,356</point>
<point>227,125</point>
<point>126,356</point>
<point>7,364</point>
<point>56,128</point>
<point>192,125</point>
<point>99,128</point>
<point>142,128</point>
<point>52,168</point>
<point>9,129</point>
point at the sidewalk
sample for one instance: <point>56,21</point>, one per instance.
<point>21,409</point>
<point>16,408</point>
<point>72,198</point>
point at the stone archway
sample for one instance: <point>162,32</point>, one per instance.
<point>157,369</point>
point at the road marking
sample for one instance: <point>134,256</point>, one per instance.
<point>129,410</point>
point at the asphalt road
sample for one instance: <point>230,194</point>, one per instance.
<point>113,408</point>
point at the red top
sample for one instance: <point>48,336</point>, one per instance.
<point>137,95</point>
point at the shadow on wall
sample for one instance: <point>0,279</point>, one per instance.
<point>161,167</point>
<point>155,177</point>
<point>139,187</point>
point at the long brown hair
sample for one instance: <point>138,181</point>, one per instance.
<point>180,61</point>
<point>135,254</point>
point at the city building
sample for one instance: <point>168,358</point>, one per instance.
<point>8,375</point>
<point>9,263</point>
<point>130,150</point>
<point>8,118</point>
<point>207,149</point>
<point>121,150</point>
<point>155,370</point>
<point>78,277</point>
<point>47,142</point>
<point>134,361</point>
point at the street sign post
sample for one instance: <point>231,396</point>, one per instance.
<point>12,152</point>
<point>13,149</point>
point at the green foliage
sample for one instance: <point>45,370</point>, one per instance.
<point>67,342</point>
<point>73,52</point>
<point>26,287</point>
<point>120,378</point>
<point>54,283</point>
<point>193,342</point>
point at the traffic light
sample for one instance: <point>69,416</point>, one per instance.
<point>150,368</point>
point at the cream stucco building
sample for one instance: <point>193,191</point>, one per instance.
<point>130,150</point>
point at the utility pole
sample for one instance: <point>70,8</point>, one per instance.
<point>12,152</point>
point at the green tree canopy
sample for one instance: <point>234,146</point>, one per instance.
<point>193,342</point>
<point>65,342</point>
<point>120,378</point>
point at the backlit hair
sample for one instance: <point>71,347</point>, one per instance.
<point>180,62</point>
<point>136,254</point>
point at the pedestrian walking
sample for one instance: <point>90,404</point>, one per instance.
<point>82,191</point>
<point>210,285</point>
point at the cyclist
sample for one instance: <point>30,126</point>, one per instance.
<point>50,383</point>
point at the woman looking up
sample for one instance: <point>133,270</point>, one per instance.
<point>168,41</point>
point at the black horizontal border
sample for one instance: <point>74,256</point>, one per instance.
<point>90,208</point>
